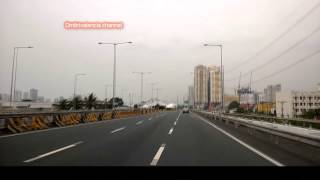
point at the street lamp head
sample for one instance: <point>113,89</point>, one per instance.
<point>220,45</point>
<point>130,42</point>
<point>99,42</point>
<point>80,74</point>
<point>30,46</point>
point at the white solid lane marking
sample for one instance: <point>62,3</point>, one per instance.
<point>175,123</point>
<point>139,122</point>
<point>170,132</point>
<point>158,155</point>
<point>116,130</point>
<point>243,143</point>
<point>52,152</point>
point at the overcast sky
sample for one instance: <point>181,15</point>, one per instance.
<point>167,36</point>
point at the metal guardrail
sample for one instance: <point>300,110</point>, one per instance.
<point>295,122</point>
<point>272,131</point>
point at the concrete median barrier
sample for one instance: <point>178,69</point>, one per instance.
<point>22,122</point>
<point>91,117</point>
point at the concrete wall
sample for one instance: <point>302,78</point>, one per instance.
<point>286,98</point>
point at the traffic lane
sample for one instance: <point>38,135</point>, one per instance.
<point>134,145</point>
<point>144,154</point>
<point>287,151</point>
<point>15,149</point>
<point>196,143</point>
<point>114,150</point>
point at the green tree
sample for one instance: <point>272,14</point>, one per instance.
<point>90,101</point>
<point>311,114</point>
<point>233,105</point>
<point>240,110</point>
<point>76,103</point>
<point>63,104</point>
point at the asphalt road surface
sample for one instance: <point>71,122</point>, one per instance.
<point>161,139</point>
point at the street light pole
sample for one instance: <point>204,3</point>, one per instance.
<point>122,97</point>
<point>152,84</point>
<point>114,67</point>
<point>14,71</point>
<point>106,95</point>
<point>114,75</point>
<point>141,88</point>
<point>132,101</point>
<point>221,73</point>
<point>14,57</point>
<point>157,90</point>
<point>75,87</point>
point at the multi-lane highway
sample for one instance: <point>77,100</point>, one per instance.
<point>160,139</point>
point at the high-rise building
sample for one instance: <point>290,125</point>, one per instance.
<point>58,99</point>
<point>34,94</point>
<point>40,99</point>
<point>214,85</point>
<point>26,95</point>
<point>191,95</point>
<point>270,93</point>
<point>17,95</point>
<point>201,86</point>
<point>4,97</point>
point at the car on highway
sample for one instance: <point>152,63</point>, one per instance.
<point>185,110</point>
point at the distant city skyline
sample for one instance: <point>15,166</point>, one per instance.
<point>167,38</point>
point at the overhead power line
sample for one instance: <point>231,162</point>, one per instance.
<point>281,54</point>
<point>278,37</point>
<point>288,67</point>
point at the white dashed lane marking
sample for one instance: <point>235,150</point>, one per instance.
<point>52,152</point>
